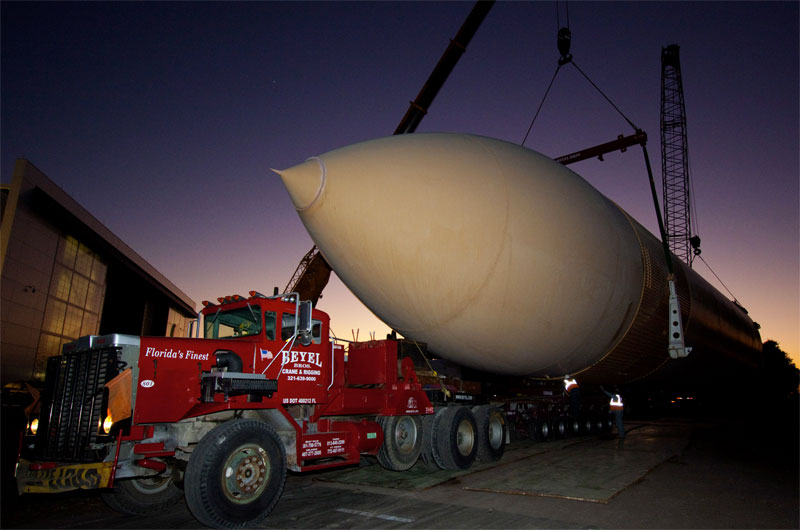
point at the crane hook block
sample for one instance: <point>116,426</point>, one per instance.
<point>564,41</point>
<point>694,241</point>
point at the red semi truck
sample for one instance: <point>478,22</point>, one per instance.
<point>221,419</point>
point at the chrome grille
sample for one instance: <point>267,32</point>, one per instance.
<point>72,403</point>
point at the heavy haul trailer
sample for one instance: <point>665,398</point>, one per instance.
<point>221,419</point>
<point>538,409</point>
<point>546,413</point>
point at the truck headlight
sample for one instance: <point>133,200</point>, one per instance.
<point>33,425</point>
<point>107,423</point>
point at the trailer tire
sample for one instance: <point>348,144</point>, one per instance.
<point>454,438</point>
<point>539,429</point>
<point>575,427</point>
<point>600,423</point>
<point>560,427</point>
<point>143,496</point>
<point>491,423</point>
<point>608,422</point>
<point>236,474</point>
<point>402,442</point>
<point>588,425</point>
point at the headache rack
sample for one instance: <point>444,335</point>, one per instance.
<point>72,403</point>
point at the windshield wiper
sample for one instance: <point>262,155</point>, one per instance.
<point>255,318</point>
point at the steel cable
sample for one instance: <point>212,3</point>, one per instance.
<point>541,103</point>
<point>635,128</point>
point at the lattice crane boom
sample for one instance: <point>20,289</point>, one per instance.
<point>675,158</point>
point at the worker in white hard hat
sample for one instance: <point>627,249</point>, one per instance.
<point>616,407</point>
<point>573,391</point>
<point>569,384</point>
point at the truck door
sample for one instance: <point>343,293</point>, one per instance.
<point>303,371</point>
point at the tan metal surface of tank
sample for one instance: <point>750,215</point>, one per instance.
<point>497,256</point>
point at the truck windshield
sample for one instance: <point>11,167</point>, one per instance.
<point>241,322</point>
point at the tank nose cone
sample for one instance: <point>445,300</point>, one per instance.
<point>305,182</point>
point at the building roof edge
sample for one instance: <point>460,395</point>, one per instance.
<point>45,184</point>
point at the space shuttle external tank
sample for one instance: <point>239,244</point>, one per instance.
<point>503,260</point>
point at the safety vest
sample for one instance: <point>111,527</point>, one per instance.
<point>615,403</point>
<point>569,384</point>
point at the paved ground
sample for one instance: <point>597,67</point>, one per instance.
<point>668,474</point>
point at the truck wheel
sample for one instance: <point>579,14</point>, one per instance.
<point>236,474</point>
<point>402,442</point>
<point>560,427</point>
<point>600,423</point>
<point>427,441</point>
<point>454,438</point>
<point>539,430</point>
<point>491,432</point>
<point>588,425</point>
<point>608,423</point>
<point>143,496</point>
<point>575,427</point>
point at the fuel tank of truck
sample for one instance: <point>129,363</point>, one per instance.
<point>503,260</point>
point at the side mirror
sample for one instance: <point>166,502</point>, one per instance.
<point>304,320</point>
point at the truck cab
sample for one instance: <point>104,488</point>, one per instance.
<point>221,419</point>
<point>257,352</point>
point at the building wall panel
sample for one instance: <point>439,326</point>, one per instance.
<point>56,264</point>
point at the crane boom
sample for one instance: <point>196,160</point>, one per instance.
<point>458,45</point>
<point>310,277</point>
<point>675,157</point>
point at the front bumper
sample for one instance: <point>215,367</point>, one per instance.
<point>50,477</point>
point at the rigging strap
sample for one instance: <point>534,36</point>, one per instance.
<point>445,391</point>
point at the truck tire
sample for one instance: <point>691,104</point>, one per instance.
<point>143,496</point>
<point>600,423</point>
<point>575,427</point>
<point>539,429</point>
<point>560,428</point>
<point>588,425</point>
<point>454,438</point>
<point>427,442</point>
<point>491,425</point>
<point>236,474</point>
<point>402,442</point>
<point>608,422</point>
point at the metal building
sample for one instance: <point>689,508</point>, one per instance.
<point>65,275</point>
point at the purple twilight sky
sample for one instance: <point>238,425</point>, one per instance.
<point>163,119</point>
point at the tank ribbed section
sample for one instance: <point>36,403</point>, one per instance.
<point>643,348</point>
